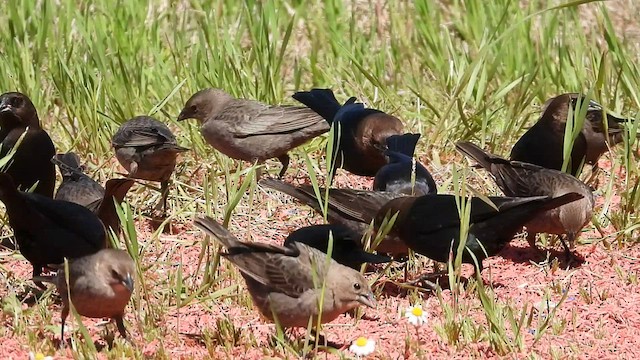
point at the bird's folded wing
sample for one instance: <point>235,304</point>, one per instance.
<point>141,137</point>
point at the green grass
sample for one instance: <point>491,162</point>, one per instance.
<point>452,70</point>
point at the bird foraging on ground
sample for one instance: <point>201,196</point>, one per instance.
<point>403,174</point>
<point>286,282</point>
<point>346,247</point>
<point>100,286</point>
<point>48,230</point>
<point>31,162</point>
<point>250,130</point>
<point>362,137</point>
<point>148,150</point>
<point>520,179</point>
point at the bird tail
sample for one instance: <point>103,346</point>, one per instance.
<point>404,144</point>
<point>51,279</point>
<point>483,158</point>
<point>560,200</point>
<point>297,193</point>
<point>68,163</point>
<point>322,101</point>
<point>214,229</point>
<point>370,258</point>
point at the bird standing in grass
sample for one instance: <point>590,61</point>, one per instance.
<point>31,162</point>
<point>148,150</point>
<point>48,230</point>
<point>286,283</point>
<point>520,179</point>
<point>250,130</point>
<point>100,286</point>
<point>362,137</point>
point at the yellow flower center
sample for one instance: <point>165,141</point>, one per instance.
<point>417,311</point>
<point>39,356</point>
<point>362,341</point>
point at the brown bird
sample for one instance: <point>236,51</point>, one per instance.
<point>346,246</point>
<point>520,179</point>
<point>250,130</point>
<point>361,139</point>
<point>100,285</point>
<point>354,209</point>
<point>396,176</point>
<point>79,188</point>
<point>48,230</point>
<point>285,282</point>
<point>148,150</point>
<point>31,162</point>
<point>430,224</point>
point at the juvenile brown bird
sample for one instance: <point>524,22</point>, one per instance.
<point>543,143</point>
<point>79,188</point>
<point>396,176</point>
<point>430,224</point>
<point>285,282</point>
<point>32,161</point>
<point>148,150</point>
<point>363,132</point>
<point>354,209</point>
<point>100,285</point>
<point>250,130</point>
<point>520,179</point>
<point>48,230</point>
<point>346,249</point>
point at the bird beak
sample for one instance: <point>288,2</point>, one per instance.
<point>619,120</point>
<point>367,300</point>
<point>183,115</point>
<point>128,282</point>
<point>4,107</point>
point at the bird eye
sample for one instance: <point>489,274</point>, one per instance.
<point>115,274</point>
<point>356,286</point>
<point>193,109</point>
<point>16,102</point>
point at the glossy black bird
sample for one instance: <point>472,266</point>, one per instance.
<point>31,162</point>
<point>347,207</point>
<point>429,224</point>
<point>396,176</point>
<point>79,188</point>
<point>148,150</point>
<point>48,230</point>
<point>520,179</point>
<point>250,130</point>
<point>347,249</point>
<point>362,132</point>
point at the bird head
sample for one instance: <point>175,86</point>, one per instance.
<point>121,268</point>
<point>354,290</point>
<point>16,109</point>
<point>204,104</point>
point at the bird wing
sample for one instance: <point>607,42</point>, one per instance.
<point>251,118</point>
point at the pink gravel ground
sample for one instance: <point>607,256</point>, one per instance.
<point>598,319</point>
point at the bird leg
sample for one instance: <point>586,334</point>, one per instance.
<point>121,328</point>
<point>531,239</point>
<point>284,159</point>
<point>65,313</point>
<point>164,191</point>
<point>37,270</point>
<point>567,251</point>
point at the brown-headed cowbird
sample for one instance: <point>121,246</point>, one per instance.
<point>148,150</point>
<point>48,230</point>
<point>250,130</point>
<point>429,224</point>
<point>286,282</point>
<point>346,249</point>
<point>31,162</point>
<point>361,139</point>
<point>100,285</point>
<point>403,174</point>
<point>79,188</point>
<point>354,209</point>
<point>520,179</point>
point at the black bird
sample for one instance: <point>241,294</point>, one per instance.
<point>429,224</point>
<point>49,230</point>
<point>31,162</point>
<point>396,176</point>
<point>520,179</point>
<point>79,188</point>
<point>347,207</point>
<point>362,132</point>
<point>347,249</point>
<point>148,150</point>
<point>250,130</point>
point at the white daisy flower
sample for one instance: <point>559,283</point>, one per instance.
<point>39,356</point>
<point>415,315</point>
<point>362,346</point>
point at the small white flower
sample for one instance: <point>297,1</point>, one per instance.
<point>39,356</point>
<point>362,346</point>
<point>415,315</point>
